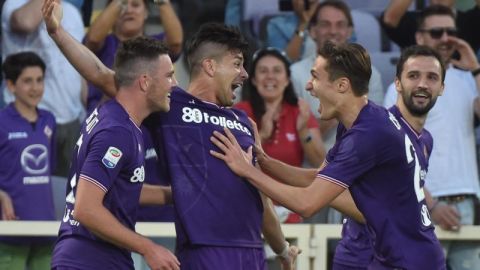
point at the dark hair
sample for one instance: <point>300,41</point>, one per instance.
<point>415,51</point>
<point>212,40</point>
<point>250,92</point>
<point>144,2</point>
<point>348,60</point>
<point>136,56</point>
<point>15,64</point>
<point>340,5</point>
<point>432,11</point>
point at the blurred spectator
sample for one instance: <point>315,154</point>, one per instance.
<point>289,32</point>
<point>286,125</point>
<point>400,24</point>
<point>126,19</point>
<point>452,178</point>
<point>233,12</point>
<point>331,21</point>
<point>85,8</point>
<point>194,13</point>
<point>26,151</point>
<point>23,30</point>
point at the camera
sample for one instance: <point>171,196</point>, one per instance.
<point>286,5</point>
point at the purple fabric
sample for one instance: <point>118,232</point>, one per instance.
<point>109,154</point>
<point>213,206</point>
<point>378,160</point>
<point>26,158</point>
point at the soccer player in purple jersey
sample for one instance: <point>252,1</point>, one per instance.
<point>106,176</point>
<point>374,158</point>
<point>216,60</point>
<point>26,162</point>
<point>419,82</point>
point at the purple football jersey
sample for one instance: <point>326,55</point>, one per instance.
<point>213,205</point>
<point>153,213</point>
<point>382,164</point>
<point>26,159</point>
<point>110,154</point>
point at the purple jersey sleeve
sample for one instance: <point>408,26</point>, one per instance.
<point>352,159</point>
<point>106,157</point>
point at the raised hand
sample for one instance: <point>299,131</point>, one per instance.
<point>239,161</point>
<point>304,115</point>
<point>468,59</point>
<point>52,15</point>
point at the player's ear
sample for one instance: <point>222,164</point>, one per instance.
<point>397,84</point>
<point>342,84</point>
<point>209,65</point>
<point>143,82</point>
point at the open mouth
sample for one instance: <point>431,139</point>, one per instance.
<point>235,86</point>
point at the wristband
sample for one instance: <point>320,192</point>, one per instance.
<point>475,72</point>
<point>284,253</point>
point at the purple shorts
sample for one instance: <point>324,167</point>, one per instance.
<point>221,258</point>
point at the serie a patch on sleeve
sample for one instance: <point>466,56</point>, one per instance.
<point>111,157</point>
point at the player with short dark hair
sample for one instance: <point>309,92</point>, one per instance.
<point>373,157</point>
<point>105,182</point>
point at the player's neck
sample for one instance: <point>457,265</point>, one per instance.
<point>27,112</point>
<point>416,122</point>
<point>132,106</point>
<point>202,91</point>
<point>349,111</point>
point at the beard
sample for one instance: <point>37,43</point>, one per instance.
<point>414,109</point>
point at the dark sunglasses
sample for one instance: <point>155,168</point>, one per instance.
<point>437,33</point>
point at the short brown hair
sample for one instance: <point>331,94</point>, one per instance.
<point>348,60</point>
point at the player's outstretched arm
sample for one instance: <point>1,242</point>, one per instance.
<point>84,61</point>
<point>287,174</point>
<point>274,236</point>
<point>306,201</point>
<point>91,213</point>
<point>155,195</point>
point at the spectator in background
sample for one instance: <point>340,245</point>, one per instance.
<point>23,30</point>
<point>85,7</point>
<point>286,125</point>
<point>26,159</point>
<point>126,19</point>
<point>288,32</point>
<point>400,24</point>
<point>452,178</point>
<point>333,22</point>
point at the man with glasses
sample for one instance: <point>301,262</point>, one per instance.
<point>452,178</point>
<point>400,25</point>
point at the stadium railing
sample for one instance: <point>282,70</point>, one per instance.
<point>311,238</point>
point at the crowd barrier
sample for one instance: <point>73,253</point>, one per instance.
<point>311,238</point>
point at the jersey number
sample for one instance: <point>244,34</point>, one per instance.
<point>412,157</point>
